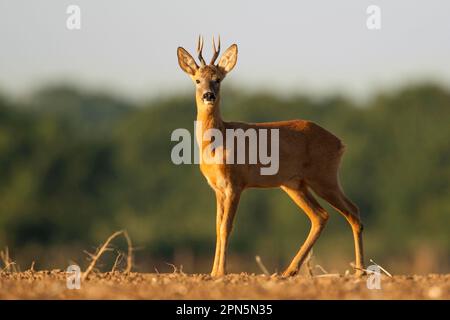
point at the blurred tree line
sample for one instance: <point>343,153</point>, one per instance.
<point>76,166</point>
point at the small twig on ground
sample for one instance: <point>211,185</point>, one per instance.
<point>361,269</point>
<point>31,267</point>
<point>91,256</point>
<point>382,269</point>
<point>130,252</point>
<point>181,269</point>
<point>104,248</point>
<point>328,275</point>
<point>308,263</point>
<point>318,266</point>
<point>175,270</point>
<point>117,261</point>
<point>371,271</point>
<point>7,262</point>
<point>262,266</point>
<point>7,267</point>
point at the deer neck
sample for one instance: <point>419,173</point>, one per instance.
<point>208,117</point>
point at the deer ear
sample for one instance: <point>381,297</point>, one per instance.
<point>186,62</point>
<point>228,59</point>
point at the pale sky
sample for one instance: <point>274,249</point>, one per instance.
<point>286,46</point>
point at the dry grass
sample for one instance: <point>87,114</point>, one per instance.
<point>95,257</point>
<point>33,284</point>
<point>119,285</point>
<point>8,264</point>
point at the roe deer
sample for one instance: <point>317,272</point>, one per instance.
<point>309,158</point>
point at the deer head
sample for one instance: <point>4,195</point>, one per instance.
<point>207,77</point>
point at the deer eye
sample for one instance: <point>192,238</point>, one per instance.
<point>198,81</point>
<point>217,80</point>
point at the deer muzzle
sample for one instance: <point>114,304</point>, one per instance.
<point>209,97</point>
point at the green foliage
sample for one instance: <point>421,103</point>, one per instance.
<point>76,166</point>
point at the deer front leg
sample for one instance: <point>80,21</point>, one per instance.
<point>219,214</point>
<point>230,204</point>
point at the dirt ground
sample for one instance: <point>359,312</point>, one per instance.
<point>52,285</point>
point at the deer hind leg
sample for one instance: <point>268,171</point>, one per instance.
<point>334,195</point>
<point>318,216</point>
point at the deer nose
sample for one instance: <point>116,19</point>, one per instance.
<point>209,96</point>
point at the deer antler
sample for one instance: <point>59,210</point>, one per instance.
<point>199,50</point>
<point>216,52</point>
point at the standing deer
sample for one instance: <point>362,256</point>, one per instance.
<point>309,158</point>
